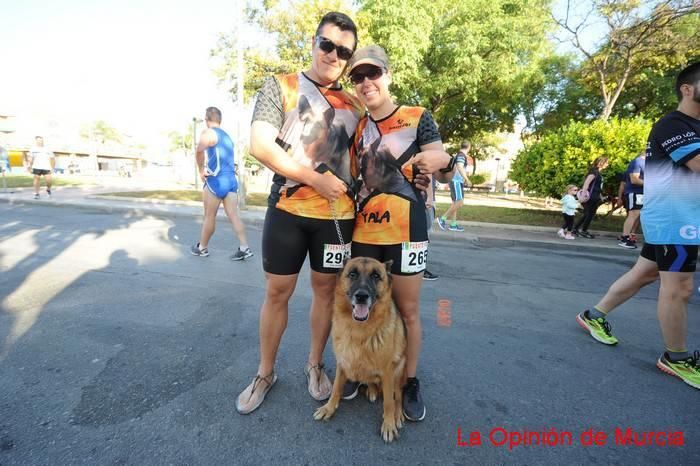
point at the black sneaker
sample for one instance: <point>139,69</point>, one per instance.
<point>240,254</point>
<point>427,275</point>
<point>585,234</point>
<point>197,251</point>
<point>413,406</point>
<point>627,243</point>
<point>48,192</point>
<point>350,390</point>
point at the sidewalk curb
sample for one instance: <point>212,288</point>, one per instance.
<point>254,216</point>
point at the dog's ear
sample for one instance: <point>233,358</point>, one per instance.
<point>329,114</point>
<point>304,105</point>
<point>387,266</point>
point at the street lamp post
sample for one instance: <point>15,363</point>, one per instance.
<point>195,120</point>
<point>495,183</point>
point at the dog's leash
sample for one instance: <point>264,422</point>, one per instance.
<point>337,229</point>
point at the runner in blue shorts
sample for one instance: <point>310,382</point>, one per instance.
<point>218,174</point>
<point>671,224</point>
<point>459,178</point>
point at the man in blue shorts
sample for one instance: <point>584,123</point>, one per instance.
<point>220,185</point>
<point>671,224</point>
<point>459,179</point>
<point>632,200</point>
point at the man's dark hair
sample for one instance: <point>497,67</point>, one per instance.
<point>466,145</point>
<point>341,20</point>
<point>38,137</point>
<point>689,75</point>
<point>214,115</point>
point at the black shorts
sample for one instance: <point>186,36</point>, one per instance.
<point>288,238</point>
<point>456,190</point>
<point>408,258</point>
<point>672,257</point>
<point>40,172</point>
<point>632,201</point>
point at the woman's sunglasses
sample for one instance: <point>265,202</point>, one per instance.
<point>328,46</point>
<point>372,74</point>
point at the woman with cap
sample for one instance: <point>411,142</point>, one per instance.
<point>393,144</point>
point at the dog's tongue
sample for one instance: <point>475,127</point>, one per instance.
<point>361,311</point>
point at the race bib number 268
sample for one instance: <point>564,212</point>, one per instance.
<point>414,256</point>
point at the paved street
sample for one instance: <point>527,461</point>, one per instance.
<point>119,347</point>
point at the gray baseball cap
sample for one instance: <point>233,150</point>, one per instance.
<point>370,55</point>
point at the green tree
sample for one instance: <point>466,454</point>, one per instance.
<point>463,61</point>
<point>291,25</point>
<point>100,132</point>
<point>641,35</point>
<point>181,142</point>
<point>562,157</point>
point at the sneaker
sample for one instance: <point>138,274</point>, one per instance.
<point>240,254</point>
<point>575,233</point>
<point>598,328</point>
<point>442,223</point>
<point>569,236</point>
<point>48,192</point>
<point>427,275</point>
<point>633,237</point>
<point>455,228</point>
<point>585,234</point>
<point>413,406</point>
<point>350,390</point>
<point>36,196</point>
<point>688,370</point>
<point>197,251</point>
<point>560,233</point>
<point>627,244</point>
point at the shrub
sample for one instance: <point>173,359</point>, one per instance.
<point>562,157</point>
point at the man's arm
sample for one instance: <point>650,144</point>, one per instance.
<point>264,148</point>
<point>636,179</point>
<point>206,140</point>
<point>462,171</point>
<point>694,164</point>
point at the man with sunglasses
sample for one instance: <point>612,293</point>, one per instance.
<point>302,129</point>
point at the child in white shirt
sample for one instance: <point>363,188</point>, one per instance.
<point>568,210</point>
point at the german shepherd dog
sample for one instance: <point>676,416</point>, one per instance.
<point>369,340</point>
<point>324,142</point>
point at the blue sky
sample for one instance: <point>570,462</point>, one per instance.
<point>143,66</point>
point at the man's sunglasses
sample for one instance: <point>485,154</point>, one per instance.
<point>328,46</point>
<point>372,74</point>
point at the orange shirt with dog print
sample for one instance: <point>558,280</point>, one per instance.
<point>316,126</point>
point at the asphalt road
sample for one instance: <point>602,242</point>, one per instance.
<point>119,347</point>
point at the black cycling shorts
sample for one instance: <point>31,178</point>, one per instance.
<point>40,172</point>
<point>672,257</point>
<point>408,258</point>
<point>632,201</point>
<point>288,238</point>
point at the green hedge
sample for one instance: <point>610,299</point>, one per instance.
<point>562,157</point>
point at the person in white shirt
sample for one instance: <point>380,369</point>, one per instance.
<point>568,210</point>
<point>41,163</point>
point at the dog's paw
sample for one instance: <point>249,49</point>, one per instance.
<point>325,412</point>
<point>389,431</point>
<point>400,418</point>
<point>372,392</point>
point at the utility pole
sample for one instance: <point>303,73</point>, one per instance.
<point>240,75</point>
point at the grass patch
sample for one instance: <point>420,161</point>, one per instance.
<point>27,181</point>
<point>253,199</point>
<point>535,217</point>
<point>471,213</point>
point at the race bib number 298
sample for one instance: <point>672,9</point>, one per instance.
<point>414,256</point>
<point>333,255</point>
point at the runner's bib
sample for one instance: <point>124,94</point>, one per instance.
<point>414,256</point>
<point>333,255</point>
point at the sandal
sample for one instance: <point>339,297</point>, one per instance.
<point>323,388</point>
<point>251,398</point>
